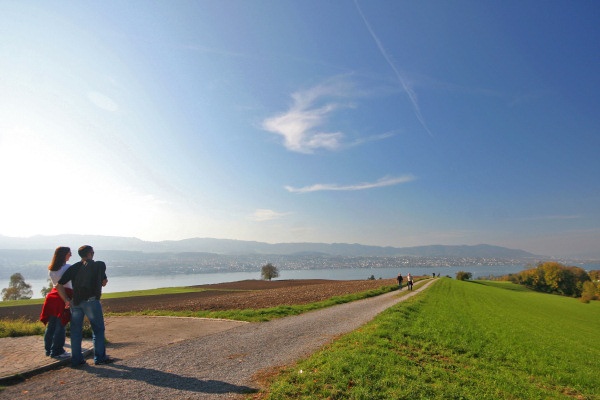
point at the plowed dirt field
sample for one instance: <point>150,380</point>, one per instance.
<point>226,296</point>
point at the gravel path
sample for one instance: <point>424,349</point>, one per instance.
<point>219,366</point>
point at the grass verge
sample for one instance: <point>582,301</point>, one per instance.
<point>20,327</point>
<point>459,340</point>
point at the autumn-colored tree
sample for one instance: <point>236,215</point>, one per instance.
<point>553,277</point>
<point>591,291</point>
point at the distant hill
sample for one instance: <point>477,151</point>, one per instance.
<point>241,247</point>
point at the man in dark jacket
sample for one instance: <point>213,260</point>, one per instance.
<point>87,277</point>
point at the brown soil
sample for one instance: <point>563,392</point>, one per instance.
<point>226,296</point>
<point>245,294</point>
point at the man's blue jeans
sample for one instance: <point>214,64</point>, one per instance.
<point>92,309</point>
<point>54,337</point>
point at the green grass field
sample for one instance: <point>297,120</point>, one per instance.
<point>460,340</point>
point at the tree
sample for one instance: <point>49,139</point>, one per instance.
<point>17,289</point>
<point>47,289</point>
<point>463,276</point>
<point>590,292</point>
<point>554,277</point>
<point>269,271</point>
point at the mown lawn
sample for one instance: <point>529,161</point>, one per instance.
<point>460,340</point>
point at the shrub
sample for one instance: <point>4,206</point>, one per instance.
<point>590,292</point>
<point>463,276</point>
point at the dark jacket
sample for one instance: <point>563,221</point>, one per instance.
<point>86,280</point>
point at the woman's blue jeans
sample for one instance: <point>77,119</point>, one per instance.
<point>92,309</point>
<point>54,337</point>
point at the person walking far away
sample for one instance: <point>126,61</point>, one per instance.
<point>409,280</point>
<point>87,277</point>
<point>399,281</point>
<point>54,314</point>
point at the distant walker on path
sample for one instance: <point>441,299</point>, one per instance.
<point>409,280</point>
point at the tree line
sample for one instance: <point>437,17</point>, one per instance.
<point>554,277</point>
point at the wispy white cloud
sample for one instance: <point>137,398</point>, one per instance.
<point>403,81</point>
<point>301,125</point>
<point>386,181</point>
<point>262,215</point>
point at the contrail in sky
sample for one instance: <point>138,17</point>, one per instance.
<point>383,182</point>
<point>411,94</point>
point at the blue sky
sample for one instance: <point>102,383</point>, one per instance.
<point>394,123</point>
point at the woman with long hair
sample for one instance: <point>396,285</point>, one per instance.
<point>54,314</point>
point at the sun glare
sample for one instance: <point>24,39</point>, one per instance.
<point>49,192</point>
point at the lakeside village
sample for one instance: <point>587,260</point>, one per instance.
<point>212,263</point>
<point>126,263</point>
<point>187,263</point>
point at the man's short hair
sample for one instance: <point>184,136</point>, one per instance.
<point>85,250</point>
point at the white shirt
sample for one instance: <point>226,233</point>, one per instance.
<point>56,275</point>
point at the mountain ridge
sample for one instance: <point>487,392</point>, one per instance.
<point>240,247</point>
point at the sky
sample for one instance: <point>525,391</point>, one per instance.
<point>388,123</point>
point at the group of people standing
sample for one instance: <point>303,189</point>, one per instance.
<point>409,281</point>
<point>75,294</point>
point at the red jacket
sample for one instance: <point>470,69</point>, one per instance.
<point>54,306</point>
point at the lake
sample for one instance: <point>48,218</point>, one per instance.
<point>126,283</point>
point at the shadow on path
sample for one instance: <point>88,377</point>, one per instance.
<point>168,380</point>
